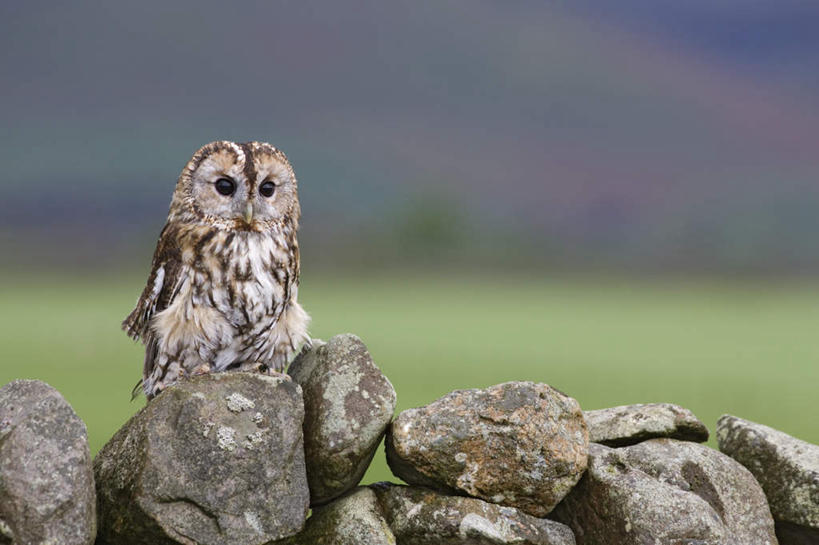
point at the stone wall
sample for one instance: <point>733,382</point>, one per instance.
<point>237,458</point>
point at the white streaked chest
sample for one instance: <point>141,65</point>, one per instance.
<point>242,276</point>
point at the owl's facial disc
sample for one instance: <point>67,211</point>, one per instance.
<point>243,186</point>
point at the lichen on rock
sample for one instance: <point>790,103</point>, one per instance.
<point>348,405</point>
<point>519,444</point>
<point>419,516</point>
<point>630,424</point>
<point>197,465</point>
<point>354,519</point>
<point>786,467</point>
<point>46,482</point>
<point>666,491</point>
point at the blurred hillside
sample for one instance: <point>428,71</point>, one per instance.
<point>650,135</point>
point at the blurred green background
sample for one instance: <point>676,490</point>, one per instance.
<point>619,199</point>
<point>746,348</point>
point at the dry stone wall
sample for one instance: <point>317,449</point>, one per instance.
<point>240,458</point>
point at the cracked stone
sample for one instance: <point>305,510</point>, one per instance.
<point>666,491</point>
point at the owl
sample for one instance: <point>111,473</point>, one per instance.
<point>223,289</point>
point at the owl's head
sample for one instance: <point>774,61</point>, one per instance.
<point>249,186</point>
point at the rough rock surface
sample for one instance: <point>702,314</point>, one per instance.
<point>215,459</point>
<point>631,424</point>
<point>419,516</point>
<point>355,519</point>
<point>669,492</point>
<point>519,444</point>
<point>348,405</point>
<point>786,467</point>
<point>46,483</point>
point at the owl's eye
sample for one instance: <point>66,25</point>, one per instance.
<point>225,186</point>
<point>267,188</point>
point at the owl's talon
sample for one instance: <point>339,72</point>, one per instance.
<point>202,369</point>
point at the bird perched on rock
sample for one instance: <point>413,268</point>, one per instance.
<point>223,288</point>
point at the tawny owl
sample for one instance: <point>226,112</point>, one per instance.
<point>223,288</point>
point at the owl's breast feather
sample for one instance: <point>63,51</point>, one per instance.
<point>234,284</point>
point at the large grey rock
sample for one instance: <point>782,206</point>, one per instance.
<point>354,519</point>
<point>519,444</point>
<point>214,460</point>
<point>664,491</point>
<point>419,516</point>
<point>786,467</point>
<point>46,483</point>
<point>631,424</point>
<point>348,405</point>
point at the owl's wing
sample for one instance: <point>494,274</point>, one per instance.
<point>166,271</point>
<point>292,279</point>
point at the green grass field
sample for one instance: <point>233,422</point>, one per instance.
<point>748,349</point>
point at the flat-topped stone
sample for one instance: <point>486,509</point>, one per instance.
<point>631,424</point>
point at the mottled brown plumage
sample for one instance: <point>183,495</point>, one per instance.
<point>223,289</point>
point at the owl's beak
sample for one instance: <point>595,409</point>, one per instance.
<point>249,213</point>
